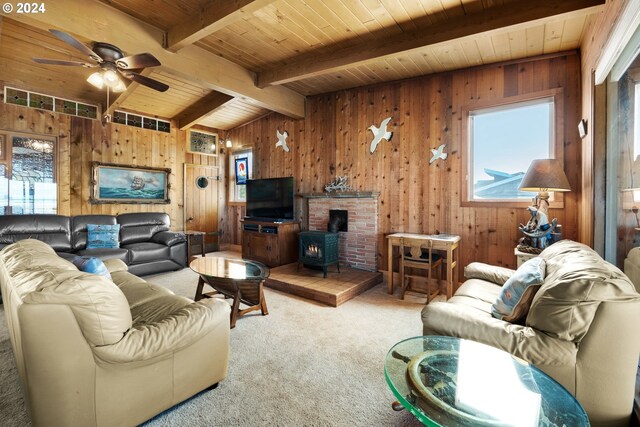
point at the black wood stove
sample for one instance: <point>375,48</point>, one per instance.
<point>318,249</point>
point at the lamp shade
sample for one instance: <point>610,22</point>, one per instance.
<point>545,175</point>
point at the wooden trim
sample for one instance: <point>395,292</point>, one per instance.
<point>229,203</point>
<point>557,198</point>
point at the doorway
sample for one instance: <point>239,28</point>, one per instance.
<point>201,202</point>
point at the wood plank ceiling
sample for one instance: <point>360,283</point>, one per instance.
<point>230,62</point>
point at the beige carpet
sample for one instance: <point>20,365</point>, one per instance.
<point>304,364</point>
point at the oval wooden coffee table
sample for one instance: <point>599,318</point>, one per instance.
<point>239,279</point>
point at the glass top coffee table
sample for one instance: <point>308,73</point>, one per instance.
<point>239,279</point>
<point>447,381</point>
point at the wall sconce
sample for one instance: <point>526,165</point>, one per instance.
<point>229,144</point>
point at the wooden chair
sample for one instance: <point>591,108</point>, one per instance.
<point>418,253</point>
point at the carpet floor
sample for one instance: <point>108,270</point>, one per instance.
<point>305,364</point>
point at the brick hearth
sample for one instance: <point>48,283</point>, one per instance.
<point>359,245</point>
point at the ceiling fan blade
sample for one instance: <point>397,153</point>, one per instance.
<point>144,80</point>
<point>61,62</point>
<point>141,60</point>
<point>75,43</point>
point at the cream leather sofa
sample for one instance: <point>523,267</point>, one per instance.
<point>95,352</point>
<point>583,327</point>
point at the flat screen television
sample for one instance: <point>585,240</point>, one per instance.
<point>270,199</point>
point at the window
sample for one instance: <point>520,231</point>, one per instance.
<point>502,140</point>
<point>238,192</point>
<point>28,182</point>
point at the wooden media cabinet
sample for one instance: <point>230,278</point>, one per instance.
<point>271,243</point>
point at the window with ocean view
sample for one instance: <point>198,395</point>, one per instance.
<point>502,142</point>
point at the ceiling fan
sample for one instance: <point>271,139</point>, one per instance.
<point>112,62</point>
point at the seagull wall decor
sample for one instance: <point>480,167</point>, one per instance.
<point>379,134</point>
<point>438,153</point>
<point>282,140</point>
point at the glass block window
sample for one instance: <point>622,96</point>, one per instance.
<point>140,121</point>
<point>150,124</point>
<point>49,103</point>
<point>120,117</point>
<point>85,110</point>
<point>16,96</point>
<point>164,126</point>
<point>133,120</point>
<point>43,102</point>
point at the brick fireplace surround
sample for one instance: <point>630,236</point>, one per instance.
<point>358,247</point>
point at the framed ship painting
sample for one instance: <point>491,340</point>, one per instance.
<point>113,183</point>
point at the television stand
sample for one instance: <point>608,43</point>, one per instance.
<point>272,243</point>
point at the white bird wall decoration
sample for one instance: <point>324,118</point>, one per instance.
<point>438,153</point>
<point>379,134</point>
<point>282,140</point>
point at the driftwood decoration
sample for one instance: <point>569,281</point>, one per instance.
<point>338,184</point>
<point>379,134</point>
<point>282,140</point>
<point>438,153</point>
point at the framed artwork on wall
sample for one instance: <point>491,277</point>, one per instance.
<point>201,142</point>
<point>242,170</point>
<point>114,183</point>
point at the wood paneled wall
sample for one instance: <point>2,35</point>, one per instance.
<point>81,141</point>
<point>333,140</point>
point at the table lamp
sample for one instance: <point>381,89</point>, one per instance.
<point>543,176</point>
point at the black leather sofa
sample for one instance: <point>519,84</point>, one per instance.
<point>146,244</point>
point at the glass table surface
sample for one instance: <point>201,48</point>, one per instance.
<point>229,268</point>
<point>447,381</point>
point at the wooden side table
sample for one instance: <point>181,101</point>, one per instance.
<point>194,238</point>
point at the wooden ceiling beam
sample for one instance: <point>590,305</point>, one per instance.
<point>94,20</point>
<point>116,103</point>
<point>498,19</point>
<point>209,19</point>
<point>205,106</point>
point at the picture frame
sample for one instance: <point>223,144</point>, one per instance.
<point>242,170</point>
<point>115,183</point>
<point>202,142</point>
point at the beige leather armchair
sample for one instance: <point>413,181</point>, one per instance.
<point>95,352</point>
<point>583,327</point>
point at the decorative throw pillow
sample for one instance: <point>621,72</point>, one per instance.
<point>90,264</point>
<point>103,236</point>
<point>517,293</point>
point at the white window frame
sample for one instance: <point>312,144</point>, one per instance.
<point>554,96</point>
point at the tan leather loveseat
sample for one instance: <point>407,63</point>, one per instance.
<point>583,327</point>
<point>95,352</point>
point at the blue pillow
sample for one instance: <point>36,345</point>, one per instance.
<point>517,293</point>
<point>90,264</point>
<point>103,236</point>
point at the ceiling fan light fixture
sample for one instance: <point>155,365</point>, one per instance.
<point>120,87</point>
<point>96,80</point>
<point>110,78</point>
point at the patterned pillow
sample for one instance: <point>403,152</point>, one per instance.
<point>517,293</point>
<point>90,264</point>
<point>103,236</point>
